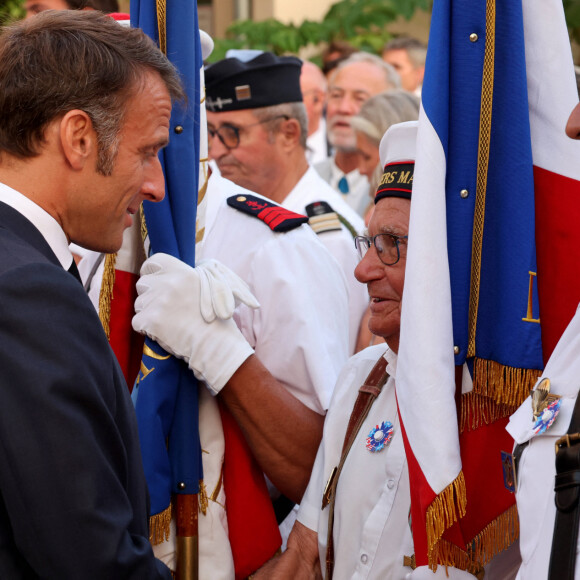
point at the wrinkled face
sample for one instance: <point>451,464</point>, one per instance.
<point>33,7</point>
<point>368,153</point>
<point>350,87</point>
<point>385,283</point>
<point>101,207</point>
<point>254,163</point>
<point>411,77</point>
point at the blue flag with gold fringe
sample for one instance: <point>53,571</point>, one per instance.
<point>166,405</point>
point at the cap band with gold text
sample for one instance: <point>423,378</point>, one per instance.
<point>397,151</point>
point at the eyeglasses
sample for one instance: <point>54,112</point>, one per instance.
<point>387,246</point>
<point>229,135</point>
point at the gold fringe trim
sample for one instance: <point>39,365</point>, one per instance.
<point>444,511</point>
<point>498,390</point>
<point>202,498</point>
<point>160,526</point>
<point>496,537</point>
<point>503,384</point>
<point>477,411</point>
<point>482,167</point>
<point>106,293</point>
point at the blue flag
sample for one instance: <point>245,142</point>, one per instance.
<point>166,406</point>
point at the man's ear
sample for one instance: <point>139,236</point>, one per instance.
<point>78,138</point>
<point>290,129</point>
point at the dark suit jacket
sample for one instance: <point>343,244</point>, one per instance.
<point>73,497</point>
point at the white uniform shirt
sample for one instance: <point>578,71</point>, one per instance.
<point>371,529</point>
<point>300,330</point>
<point>340,244</point>
<point>537,466</point>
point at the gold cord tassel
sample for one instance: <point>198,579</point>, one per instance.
<point>106,294</point>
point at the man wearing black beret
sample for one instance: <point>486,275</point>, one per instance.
<point>258,126</point>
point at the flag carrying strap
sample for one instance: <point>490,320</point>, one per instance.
<point>367,395</point>
<point>567,488</point>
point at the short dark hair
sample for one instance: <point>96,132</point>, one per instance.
<point>64,60</point>
<point>102,5</point>
<point>416,50</point>
<point>335,53</point>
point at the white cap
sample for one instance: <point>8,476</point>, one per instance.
<point>206,44</point>
<point>399,143</point>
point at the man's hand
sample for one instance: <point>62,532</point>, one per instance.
<point>299,562</point>
<point>188,311</point>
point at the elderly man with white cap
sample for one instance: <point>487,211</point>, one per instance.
<point>354,515</point>
<point>354,518</point>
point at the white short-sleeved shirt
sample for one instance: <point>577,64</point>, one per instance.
<point>371,527</point>
<point>340,243</point>
<point>300,331</point>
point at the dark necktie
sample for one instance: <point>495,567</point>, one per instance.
<point>75,271</point>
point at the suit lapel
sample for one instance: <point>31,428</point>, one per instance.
<point>22,228</point>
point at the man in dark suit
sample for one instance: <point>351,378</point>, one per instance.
<point>84,109</point>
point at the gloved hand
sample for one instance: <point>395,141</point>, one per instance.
<point>221,291</point>
<point>188,311</point>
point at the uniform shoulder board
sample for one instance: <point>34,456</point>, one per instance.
<point>278,218</point>
<point>322,218</point>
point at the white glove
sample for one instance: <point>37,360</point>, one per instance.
<point>188,311</point>
<point>221,291</point>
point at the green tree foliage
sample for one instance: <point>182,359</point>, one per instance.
<point>360,22</point>
<point>10,10</point>
<point>572,10</point>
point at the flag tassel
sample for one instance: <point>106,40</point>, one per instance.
<point>444,511</point>
<point>160,526</point>
<point>497,536</point>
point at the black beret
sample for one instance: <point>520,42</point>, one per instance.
<point>267,79</point>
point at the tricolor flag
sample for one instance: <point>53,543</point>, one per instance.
<point>495,198</point>
<point>167,402</point>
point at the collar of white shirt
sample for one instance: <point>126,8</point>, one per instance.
<point>391,359</point>
<point>42,220</point>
